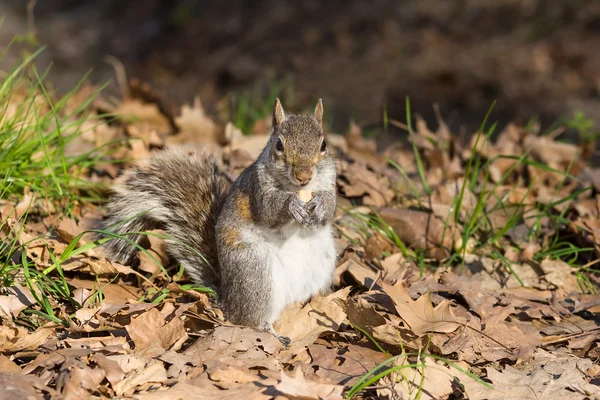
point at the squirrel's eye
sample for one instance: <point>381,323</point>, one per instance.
<point>279,145</point>
<point>323,146</point>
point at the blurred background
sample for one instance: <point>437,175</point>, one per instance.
<point>537,58</point>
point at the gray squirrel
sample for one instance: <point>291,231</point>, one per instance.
<point>263,246</point>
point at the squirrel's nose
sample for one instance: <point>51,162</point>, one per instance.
<point>303,175</point>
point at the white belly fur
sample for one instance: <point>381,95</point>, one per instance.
<point>302,262</point>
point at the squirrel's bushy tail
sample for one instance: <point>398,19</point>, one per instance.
<point>179,193</point>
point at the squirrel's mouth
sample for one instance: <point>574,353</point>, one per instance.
<point>301,181</point>
<point>301,176</point>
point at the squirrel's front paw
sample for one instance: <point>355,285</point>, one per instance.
<point>298,210</point>
<point>316,208</point>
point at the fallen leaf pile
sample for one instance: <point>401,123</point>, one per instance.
<point>434,298</point>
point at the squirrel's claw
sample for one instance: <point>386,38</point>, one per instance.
<point>298,210</point>
<point>316,207</point>
<point>284,340</point>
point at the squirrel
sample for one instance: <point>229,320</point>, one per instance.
<point>255,241</point>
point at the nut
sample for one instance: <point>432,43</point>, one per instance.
<point>305,195</point>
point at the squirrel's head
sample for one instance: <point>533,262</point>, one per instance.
<point>297,145</point>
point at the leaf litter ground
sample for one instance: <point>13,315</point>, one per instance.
<point>467,269</point>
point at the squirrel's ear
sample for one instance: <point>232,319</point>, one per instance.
<point>278,114</point>
<point>319,112</point>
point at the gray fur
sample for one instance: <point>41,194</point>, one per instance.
<point>176,192</point>
<point>192,202</point>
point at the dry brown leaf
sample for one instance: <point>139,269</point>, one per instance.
<point>112,293</point>
<point>363,149</point>
<point>423,318</point>
<point>360,272</point>
<point>560,274</point>
<point>555,154</point>
<point>442,200</point>
<point>25,204</point>
<point>13,339</point>
<point>152,335</point>
<point>17,386</point>
<point>360,313</point>
<point>204,391</point>
<point>432,381</point>
<point>376,245</point>
<point>304,325</point>
<point>148,136</point>
<point>250,145</point>
<point>552,378</point>
<point>113,372</point>
<point>503,340</point>
<point>80,381</point>
<point>116,344</point>
<point>360,181</point>
<point>157,250</point>
<point>52,360</point>
<point>6,365</point>
<point>229,374</point>
<point>139,150</point>
<point>18,298</point>
<point>68,229</point>
<point>297,387</point>
<point>242,347</point>
<point>420,230</point>
<point>145,116</point>
<point>154,372</point>
<point>343,365</point>
<point>196,127</point>
<point>129,362</point>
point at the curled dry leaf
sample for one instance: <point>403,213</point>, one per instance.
<point>17,299</point>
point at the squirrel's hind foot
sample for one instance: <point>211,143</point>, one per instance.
<point>284,340</point>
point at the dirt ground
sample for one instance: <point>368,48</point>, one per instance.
<point>535,57</point>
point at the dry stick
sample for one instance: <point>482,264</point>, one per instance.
<point>120,73</point>
<point>30,18</point>
<point>569,336</point>
<point>398,124</point>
